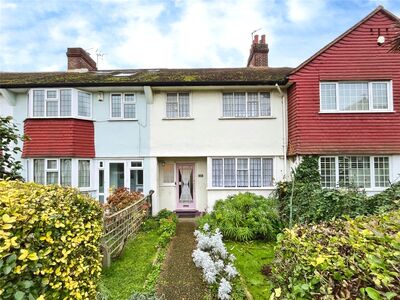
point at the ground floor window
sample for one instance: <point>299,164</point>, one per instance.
<point>358,171</point>
<point>242,172</point>
<point>60,171</point>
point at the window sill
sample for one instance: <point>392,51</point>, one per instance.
<point>269,188</point>
<point>358,112</point>
<point>122,120</point>
<point>247,118</point>
<point>64,117</point>
<point>175,119</point>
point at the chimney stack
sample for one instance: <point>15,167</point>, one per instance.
<point>258,53</point>
<point>79,60</point>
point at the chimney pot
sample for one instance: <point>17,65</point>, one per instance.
<point>80,59</point>
<point>258,53</point>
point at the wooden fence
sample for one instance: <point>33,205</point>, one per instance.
<point>122,225</point>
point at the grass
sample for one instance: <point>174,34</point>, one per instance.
<point>128,273</point>
<point>250,257</point>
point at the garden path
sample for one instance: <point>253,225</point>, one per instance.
<point>179,278</point>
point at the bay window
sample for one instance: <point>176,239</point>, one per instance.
<point>243,172</point>
<point>54,103</point>
<point>356,96</point>
<point>246,105</point>
<point>358,171</point>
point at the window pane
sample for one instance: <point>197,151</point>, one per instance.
<point>101,181</point>
<point>129,97</point>
<point>117,175</point>
<point>328,172</point>
<point>229,172</point>
<point>242,172</point>
<point>328,96</point>
<point>136,177</point>
<point>65,102</point>
<point>184,105</point>
<point>265,104</point>
<point>136,164</point>
<point>116,106</point>
<point>217,172</point>
<point>228,105</point>
<point>379,95</point>
<point>252,105</point>
<point>381,171</point>
<point>84,106</point>
<point>267,171</point>
<point>65,165</point>
<point>240,104</point>
<point>38,103</point>
<point>168,173</point>
<point>354,170</point>
<point>84,173</point>
<point>38,171</point>
<point>52,108</point>
<point>353,96</point>
<point>52,178</point>
<point>172,105</point>
<point>52,164</point>
<point>51,94</point>
<point>129,110</point>
<point>255,172</point>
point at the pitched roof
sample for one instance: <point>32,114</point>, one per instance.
<point>151,77</point>
<point>380,8</point>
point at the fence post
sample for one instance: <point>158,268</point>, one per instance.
<point>150,202</point>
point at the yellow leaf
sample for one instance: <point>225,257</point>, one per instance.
<point>24,254</point>
<point>41,297</point>
<point>278,292</point>
<point>33,256</point>
<point>7,226</point>
<point>320,260</point>
<point>8,219</point>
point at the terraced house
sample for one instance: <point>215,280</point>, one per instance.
<point>198,135</point>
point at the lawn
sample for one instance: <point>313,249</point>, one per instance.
<point>250,257</point>
<point>129,272</point>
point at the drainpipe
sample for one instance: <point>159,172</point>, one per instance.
<point>284,128</point>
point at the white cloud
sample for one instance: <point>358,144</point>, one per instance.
<point>303,10</point>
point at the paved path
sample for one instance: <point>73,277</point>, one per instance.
<point>179,278</point>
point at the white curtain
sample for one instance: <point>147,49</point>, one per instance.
<point>186,196</point>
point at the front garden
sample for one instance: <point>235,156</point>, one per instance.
<point>304,242</point>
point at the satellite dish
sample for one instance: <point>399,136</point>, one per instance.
<point>380,40</point>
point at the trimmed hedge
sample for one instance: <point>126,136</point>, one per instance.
<point>49,242</point>
<point>344,259</point>
<point>244,217</point>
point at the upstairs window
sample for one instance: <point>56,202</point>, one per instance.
<point>246,105</point>
<point>355,96</point>
<point>123,106</point>
<point>53,103</point>
<point>177,105</point>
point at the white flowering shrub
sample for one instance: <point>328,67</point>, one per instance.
<point>216,263</point>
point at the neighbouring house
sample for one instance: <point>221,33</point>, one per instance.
<point>198,135</point>
<point>344,105</point>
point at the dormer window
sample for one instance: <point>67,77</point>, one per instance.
<point>53,103</point>
<point>356,96</point>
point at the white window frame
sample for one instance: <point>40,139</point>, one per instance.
<point>269,116</point>
<point>236,187</point>
<point>57,169</point>
<point>371,167</point>
<point>74,104</point>
<point>370,97</point>
<point>90,173</point>
<point>189,117</point>
<point>123,102</point>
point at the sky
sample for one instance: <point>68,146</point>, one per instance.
<point>35,34</point>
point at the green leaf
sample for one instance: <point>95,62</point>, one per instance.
<point>27,284</point>
<point>390,295</point>
<point>373,293</point>
<point>18,295</point>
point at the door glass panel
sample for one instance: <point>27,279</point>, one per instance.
<point>116,175</point>
<point>185,184</point>
<point>101,181</point>
<point>136,180</point>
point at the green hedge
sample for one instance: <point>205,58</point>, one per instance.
<point>245,217</point>
<point>49,242</point>
<point>344,259</point>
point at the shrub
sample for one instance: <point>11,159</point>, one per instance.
<point>343,259</point>
<point>312,204</point>
<point>167,229</point>
<point>245,217</point>
<point>49,242</point>
<point>121,198</point>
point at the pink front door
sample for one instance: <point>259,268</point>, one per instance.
<point>185,186</point>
